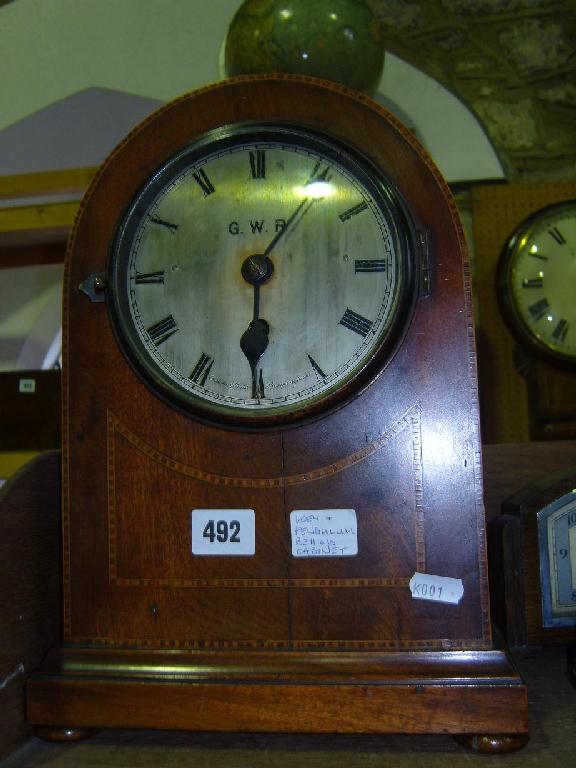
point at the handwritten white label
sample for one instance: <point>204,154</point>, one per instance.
<point>223,532</point>
<point>440,589</point>
<point>324,532</point>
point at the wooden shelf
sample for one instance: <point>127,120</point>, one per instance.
<point>35,226</point>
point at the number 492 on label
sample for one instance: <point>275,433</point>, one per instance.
<point>223,532</point>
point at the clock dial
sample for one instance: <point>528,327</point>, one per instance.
<point>540,279</point>
<point>260,272</point>
<point>557,541</point>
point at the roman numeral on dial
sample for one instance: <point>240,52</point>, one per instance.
<point>164,223</point>
<point>162,330</point>
<point>204,182</point>
<point>533,282</point>
<point>258,164</point>
<point>370,265</point>
<point>202,369</point>
<point>144,278</point>
<point>354,211</point>
<point>320,172</point>
<point>559,333</point>
<point>539,309</point>
<point>320,373</point>
<point>557,235</point>
<point>355,322</point>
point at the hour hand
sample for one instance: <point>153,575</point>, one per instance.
<point>255,340</point>
<point>253,344</point>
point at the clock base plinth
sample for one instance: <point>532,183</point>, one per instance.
<point>455,692</point>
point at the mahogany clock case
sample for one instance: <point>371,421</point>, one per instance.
<point>135,467</point>
<point>404,452</point>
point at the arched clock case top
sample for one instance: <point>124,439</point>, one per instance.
<point>365,280</point>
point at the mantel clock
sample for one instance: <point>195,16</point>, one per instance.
<point>272,500</point>
<point>533,562</point>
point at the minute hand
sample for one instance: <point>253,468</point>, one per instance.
<point>290,221</point>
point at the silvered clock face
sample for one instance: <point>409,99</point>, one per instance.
<point>540,282</point>
<point>259,272</point>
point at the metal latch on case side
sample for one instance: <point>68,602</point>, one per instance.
<point>423,250</point>
<point>95,286</point>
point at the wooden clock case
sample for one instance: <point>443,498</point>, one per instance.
<point>155,637</point>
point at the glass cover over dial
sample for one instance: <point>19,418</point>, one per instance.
<point>259,272</point>
<point>539,282</point>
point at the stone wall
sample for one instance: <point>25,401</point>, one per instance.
<point>513,62</point>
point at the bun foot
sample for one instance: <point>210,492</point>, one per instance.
<point>493,745</point>
<point>51,733</point>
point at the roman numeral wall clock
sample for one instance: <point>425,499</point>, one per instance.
<point>272,500</point>
<point>535,277</point>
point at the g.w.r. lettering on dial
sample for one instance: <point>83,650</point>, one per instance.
<point>255,226</point>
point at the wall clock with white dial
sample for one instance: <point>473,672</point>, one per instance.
<point>272,451</point>
<point>537,277</point>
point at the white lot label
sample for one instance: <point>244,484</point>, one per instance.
<point>324,532</point>
<point>440,589</point>
<point>223,532</point>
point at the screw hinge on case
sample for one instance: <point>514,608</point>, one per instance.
<point>94,286</point>
<point>423,258</point>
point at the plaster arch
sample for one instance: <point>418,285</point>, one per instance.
<point>153,51</point>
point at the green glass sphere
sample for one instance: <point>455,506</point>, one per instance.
<point>338,40</point>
